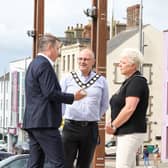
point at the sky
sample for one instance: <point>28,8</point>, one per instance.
<point>16,18</point>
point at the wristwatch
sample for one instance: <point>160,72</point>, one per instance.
<point>113,127</point>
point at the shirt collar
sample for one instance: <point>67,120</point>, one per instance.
<point>80,73</point>
<point>50,61</point>
<point>135,73</point>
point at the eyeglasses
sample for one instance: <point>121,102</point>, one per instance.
<point>83,59</point>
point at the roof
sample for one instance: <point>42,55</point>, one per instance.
<point>69,41</point>
<point>121,38</point>
<point>5,76</point>
<point>21,59</point>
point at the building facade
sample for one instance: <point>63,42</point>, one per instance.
<point>4,106</point>
<point>164,154</point>
<point>17,101</point>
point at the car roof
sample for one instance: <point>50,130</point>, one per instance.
<point>3,152</point>
<point>11,158</point>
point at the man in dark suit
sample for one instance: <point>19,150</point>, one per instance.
<point>43,112</point>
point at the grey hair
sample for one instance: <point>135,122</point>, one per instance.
<point>45,40</point>
<point>134,56</point>
<point>88,50</point>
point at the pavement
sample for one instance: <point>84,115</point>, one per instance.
<point>110,163</point>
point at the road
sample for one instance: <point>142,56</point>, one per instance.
<point>110,163</point>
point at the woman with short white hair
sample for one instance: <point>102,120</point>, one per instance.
<point>128,109</point>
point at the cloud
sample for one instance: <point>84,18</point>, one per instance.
<point>17,17</point>
<point>65,13</point>
<point>154,12</point>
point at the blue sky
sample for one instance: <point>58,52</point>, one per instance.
<point>17,17</point>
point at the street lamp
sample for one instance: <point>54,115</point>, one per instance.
<point>91,12</point>
<point>31,33</point>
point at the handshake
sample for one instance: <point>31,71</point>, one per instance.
<point>80,94</point>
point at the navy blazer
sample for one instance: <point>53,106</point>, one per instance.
<point>43,96</point>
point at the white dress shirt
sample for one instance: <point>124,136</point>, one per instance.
<point>91,107</point>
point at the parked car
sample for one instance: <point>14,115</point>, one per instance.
<point>4,155</point>
<point>22,148</point>
<point>15,161</point>
<point>110,148</point>
<point>3,145</point>
<point>18,161</point>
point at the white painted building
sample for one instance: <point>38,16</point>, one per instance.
<point>17,70</point>
<point>4,106</point>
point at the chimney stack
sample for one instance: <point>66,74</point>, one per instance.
<point>133,16</point>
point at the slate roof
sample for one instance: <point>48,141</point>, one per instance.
<point>119,39</point>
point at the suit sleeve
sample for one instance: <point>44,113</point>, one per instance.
<point>50,86</point>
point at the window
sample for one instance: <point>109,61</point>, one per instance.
<point>6,86</point>
<point>63,66</point>
<point>149,110</point>
<point>18,163</point>
<point>1,86</point>
<point>147,72</point>
<point>148,133</point>
<point>167,98</point>
<point>118,77</point>
<point>6,104</point>
<point>68,63</point>
<point>73,61</point>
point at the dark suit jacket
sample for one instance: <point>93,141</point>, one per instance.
<point>43,96</point>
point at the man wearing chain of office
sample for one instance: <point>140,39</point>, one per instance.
<point>80,131</point>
